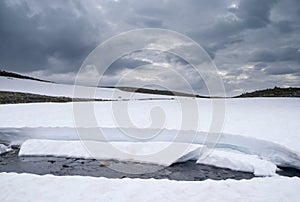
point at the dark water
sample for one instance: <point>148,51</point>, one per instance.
<point>60,166</point>
<point>289,172</point>
<point>187,171</point>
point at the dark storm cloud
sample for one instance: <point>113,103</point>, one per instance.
<point>221,44</point>
<point>281,54</point>
<point>260,66</point>
<point>255,13</point>
<point>144,57</point>
<point>247,15</point>
<point>124,63</point>
<point>284,26</point>
<point>281,70</point>
<point>55,36</point>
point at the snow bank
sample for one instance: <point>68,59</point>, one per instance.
<point>267,128</point>
<point>239,161</point>
<point>54,89</point>
<point>274,120</point>
<point>146,152</point>
<point>149,152</point>
<point>28,187</point>
<point>43,88</point>
<point>266,150</point>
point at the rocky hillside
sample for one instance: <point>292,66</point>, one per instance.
<point>16,97</point>
<point>275,92</point>
<point>19,76</point>
<point>155,91</point>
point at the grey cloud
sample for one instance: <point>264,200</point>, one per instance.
<point>55,36</point>
<point>260,66</point>
<point>144,57</point>
<point>213,47</point>
<point>145,21</point>
<point>122,63</point>
<point>281,54</point>
<point>284,26</point>
<point>255,13</point>
<point>263,56</point>
<point>247,15</point>
<point>236,72</point>
<point>281,70</point>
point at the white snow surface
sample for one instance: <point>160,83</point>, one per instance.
<point>239,161</point>
<point>267,128</point>
<point>274,120</point>
<point>29,187</point>
<point>54,89</point>
<point>146,152</point>
<point>263,150</point>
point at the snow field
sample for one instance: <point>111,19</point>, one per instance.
<point>28,187</point>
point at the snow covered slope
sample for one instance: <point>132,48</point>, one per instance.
<point>124,151</point>
<point>54,89</point>
<point>28,187</point>
<point>235,160</point>
<point>261,129</point>
<point>149,152</point>
<point>274,120</point>
<point>268,128</point>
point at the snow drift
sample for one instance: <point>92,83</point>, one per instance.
<point>28,187</point>
<point>149,152</point>
<point>145,152</point>
<point>54,89</point>
<point>265,131</point>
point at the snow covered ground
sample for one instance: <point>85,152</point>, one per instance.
<point>266,127</point>
<point>235,160</point>
<point>124,151</point>
<point>54,89</point>
<point>271,119</point>
<point>28,187</point>
<point>259,134</point>
<point>149,152</point>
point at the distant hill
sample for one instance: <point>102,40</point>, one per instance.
<point>16,97</point>
<point>19,76</point>
<point>157,92</point>
<point>275,92</point>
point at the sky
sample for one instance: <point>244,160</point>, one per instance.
<point>255,44</point>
